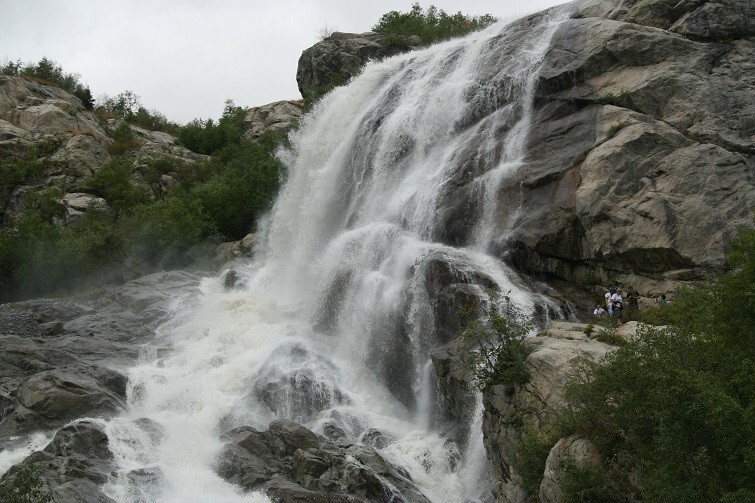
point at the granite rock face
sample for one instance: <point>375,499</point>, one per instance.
<point>336,59</point>
<point>643,144</point>
<point>273,117</point>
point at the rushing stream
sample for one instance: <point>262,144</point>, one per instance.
<point>333,325</point>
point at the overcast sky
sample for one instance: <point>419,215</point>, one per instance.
<point>186,57</point>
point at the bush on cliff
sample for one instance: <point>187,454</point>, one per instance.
<point>494,350</point>
<point>246,183</point>
<point>672,412</point>
<point>207,136</point>
<point>431,25</point>
<point>115,184</point>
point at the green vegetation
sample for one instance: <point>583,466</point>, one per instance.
<point>214,200</point>
<point>417,27</point>
<point>494,349</point>
<point>429,26</point>
<point>25,486</point>
<point>115,184</point>
<point>207,137</point>
<point>128,107</point>
<point>152,222</point>
<point>672,412</point>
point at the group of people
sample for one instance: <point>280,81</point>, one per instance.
<point>615,303</point>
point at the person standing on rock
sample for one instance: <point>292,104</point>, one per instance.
<point>609,302</point>
<point>617,302</point>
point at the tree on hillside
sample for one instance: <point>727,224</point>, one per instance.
<point>431,25</point>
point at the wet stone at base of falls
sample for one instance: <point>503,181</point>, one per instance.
<point>73,466</point>
<point>291,463</point>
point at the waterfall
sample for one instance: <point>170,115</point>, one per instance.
<point>391,196</point>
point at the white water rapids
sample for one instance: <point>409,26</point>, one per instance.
<point>334,323</point>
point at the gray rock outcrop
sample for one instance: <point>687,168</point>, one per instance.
<point>336,59</point>
<point>62,360</point>
<point>273,117</point>
<point>69,144</point>
<point>673,130</point>
<point>292,464</point>
<point>640,161</point>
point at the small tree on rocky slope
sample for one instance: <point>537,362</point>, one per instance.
<point>494,350</point>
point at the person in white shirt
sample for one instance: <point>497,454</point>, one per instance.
<point>617,302</point>
<point>609,302</point>
<point>599,311</point>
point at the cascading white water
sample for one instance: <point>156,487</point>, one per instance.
<point>335,323</point>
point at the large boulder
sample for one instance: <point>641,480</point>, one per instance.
<point>337,58</point>
<point>292,464</point>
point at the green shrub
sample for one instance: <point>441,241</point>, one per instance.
<point>123,106</point>
<point>494,349</point>
<point>207,136</point>
<point>24,167</point>
<point>162,232</point>
<point>676,404</point>
<point>114,183</point>
<point>244,188</point>
<point>153,120</point>
<point>431,25</point>
<point>583,483</point>
<point>124,140</point>
<point>531,454</point>
<point>52,260</point>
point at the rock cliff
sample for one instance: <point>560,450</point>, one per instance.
<point>641,158</point>
<point>339,57</point>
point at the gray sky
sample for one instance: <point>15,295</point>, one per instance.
<point>186,57</point>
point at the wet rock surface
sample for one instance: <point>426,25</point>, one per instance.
<point>292,464</point>
<point>73,466</point>
<point>63,359</point>
<point>640,159</point>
